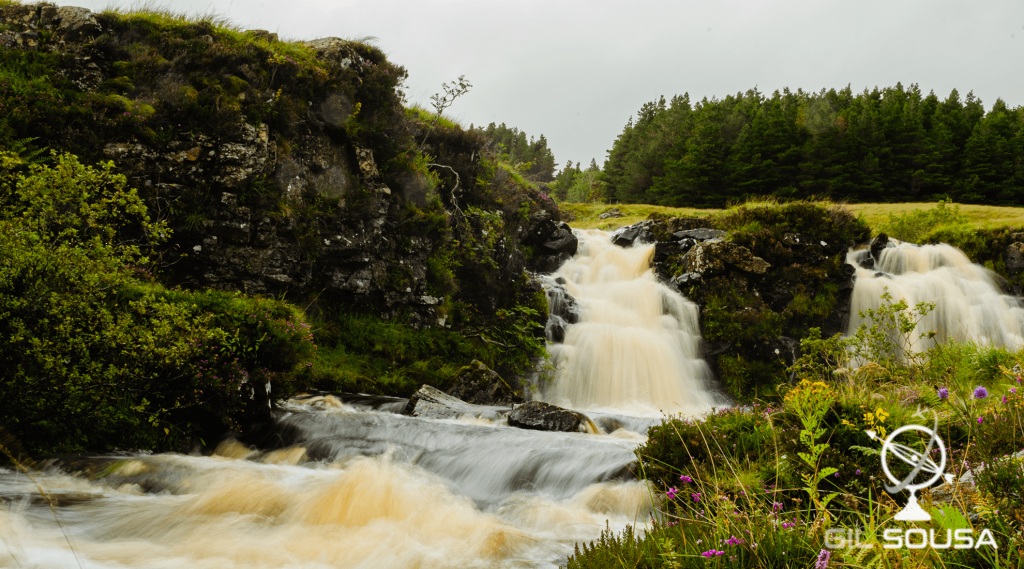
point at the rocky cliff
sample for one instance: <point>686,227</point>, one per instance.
<point>283,168</point>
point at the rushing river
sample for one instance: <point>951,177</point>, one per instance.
<point>353,483</point>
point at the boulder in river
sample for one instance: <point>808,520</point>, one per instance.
<point>480,385</point>
<point>541,416</point>
<point>433,403</point>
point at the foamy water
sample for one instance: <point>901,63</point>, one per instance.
<point>636,349</point>
<point>969,305</point>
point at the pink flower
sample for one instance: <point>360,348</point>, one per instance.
<point>979,420</point>
<point>672,493</point>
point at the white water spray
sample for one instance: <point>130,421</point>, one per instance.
<point>969,305</point>
<point>636,346</point>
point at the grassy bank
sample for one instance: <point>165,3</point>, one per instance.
<point>876,215</point>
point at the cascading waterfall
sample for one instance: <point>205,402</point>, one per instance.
<point>352,483</point>
<point>635,347</point>
<point>968,303</point>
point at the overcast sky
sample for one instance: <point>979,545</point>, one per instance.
<point>576,70</point>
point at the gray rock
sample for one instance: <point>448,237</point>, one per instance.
<point>21,15</point>
<point>76,22</point>
<point>614,212</point>
<point>710,257</point>
<point>480,385</point>
<point>702,234</point>
<point>540,416</point>
<point>435,404</point>
<point>263,35</point>
<point>336,50</point>
<point>1014,258</point>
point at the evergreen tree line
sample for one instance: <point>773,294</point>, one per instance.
<point>535,152</point>
<point>889,145</point>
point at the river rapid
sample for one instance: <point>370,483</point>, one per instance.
<point>353,483</point>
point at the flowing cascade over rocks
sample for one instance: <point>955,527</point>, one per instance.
<point>338,484</point>
<point>636,346</point>
<point>969,304</point>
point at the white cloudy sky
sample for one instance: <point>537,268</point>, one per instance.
<point>576,70</point>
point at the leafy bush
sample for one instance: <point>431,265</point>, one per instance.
<point>96,358</point>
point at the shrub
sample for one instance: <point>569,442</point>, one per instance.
<point>96,359</point>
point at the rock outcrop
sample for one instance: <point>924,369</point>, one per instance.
<point>553,242</point>
<point>480,385</point>
<point>282,175</point>
<point>540,416</point>
<point>759,289</point>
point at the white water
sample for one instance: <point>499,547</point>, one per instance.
<point>351,488</point>
<point>969,305</point>
<point>636,347</point>
<point>353,484</point>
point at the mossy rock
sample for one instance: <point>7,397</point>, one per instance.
<point>480,385</point>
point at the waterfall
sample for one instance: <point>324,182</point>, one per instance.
<point>969,305</point>
<point>635,347</point>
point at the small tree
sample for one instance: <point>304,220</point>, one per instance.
<point>441,102</point>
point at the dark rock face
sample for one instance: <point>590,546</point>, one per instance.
<point>287,206</point>
<point>561,241</point>
<point>637,234</point>
<point>553,243</point>
<point>541,416</point>
<point>480,385</point>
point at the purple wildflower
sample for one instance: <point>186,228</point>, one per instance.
<point>943,393</point>
<point>685,479</point>
<point>823,556</point>
<point>672,492</point>
<point>695,496</point>
<point>980,392</point>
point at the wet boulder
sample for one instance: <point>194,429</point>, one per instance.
<point>433,403</point>
<point>480,385</point>
<point>636,234</point>
<point>540,416</point>
<point>560,241</point>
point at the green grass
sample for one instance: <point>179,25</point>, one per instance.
<point>587,214</point>
<point>418,113</point>
<point>876,215</point>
